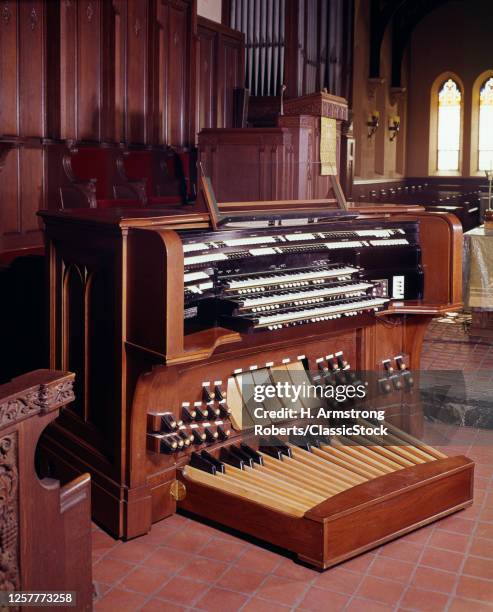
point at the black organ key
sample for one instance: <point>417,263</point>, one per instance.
<point>219,465</point>
<point>272,451</point>
<point>247,460</point>
<point>257,457</point>
<point>201,463</point>
<point>227,457</point>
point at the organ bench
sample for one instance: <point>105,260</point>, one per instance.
<point>167,322</point>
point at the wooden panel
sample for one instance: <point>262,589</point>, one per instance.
<point>177,77</point>
<point>9,57</point>
<point>207,74</point>
<point>88,86</point>
<point>31,68</point>
<point>136,71</point>
<point>31,185</point>
<point>68,76</point>
<point>9,194</point>
<point>231,77</point>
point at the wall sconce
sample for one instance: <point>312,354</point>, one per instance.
<point>394,127</point>
<point>373,123</point>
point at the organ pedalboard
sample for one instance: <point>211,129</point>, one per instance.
<point>325,498</point>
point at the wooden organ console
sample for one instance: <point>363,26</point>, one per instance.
<point>167,322</point>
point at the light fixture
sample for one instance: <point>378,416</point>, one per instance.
<point>373,122</point>
<point>394,126</point>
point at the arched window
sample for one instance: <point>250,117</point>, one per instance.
<point>485,149</point>
<point>449,126</point>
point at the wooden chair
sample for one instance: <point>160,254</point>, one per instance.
<point>167,174</point>
<point>89,176</point>
<point>45,528</point>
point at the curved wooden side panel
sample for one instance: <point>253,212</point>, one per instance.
<point>441,241</point>
<point>155,291</point>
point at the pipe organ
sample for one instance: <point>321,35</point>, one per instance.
<point>170,324</point>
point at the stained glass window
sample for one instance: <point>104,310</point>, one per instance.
<point>449,124</point>
<point>486,126</point>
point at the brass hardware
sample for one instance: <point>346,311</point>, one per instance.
<point>178,490</point>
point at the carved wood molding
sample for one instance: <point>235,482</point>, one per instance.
<point>38,399</point>
<point>33,19</point>
<point>6,13</point>
<point>373,85</point>
<point>9,514</point>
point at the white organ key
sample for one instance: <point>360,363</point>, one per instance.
<point>389,242</point>
<point>195,246</point>
<point>204,258</point>
<point>193,276</point>
<point>264,251</point>
<point>321,312</point>
<point>285,278</point>
<point>296,237</point>
<point>377,233</point>
<point>348,244</point>
<point>250,240</point>
<point>304,295</point>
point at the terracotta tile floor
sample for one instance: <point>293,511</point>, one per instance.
<point>186,565</point>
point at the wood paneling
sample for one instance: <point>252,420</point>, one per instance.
<point>9,57</point>
<point>99,72</point>
<point>220,61</point>
<point>137,71</point>
<point>207,76</point>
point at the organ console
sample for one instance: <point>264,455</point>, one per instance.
<point>170,320</point>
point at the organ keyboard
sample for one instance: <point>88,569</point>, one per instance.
<point>169,324</point>
<point>294,275</point>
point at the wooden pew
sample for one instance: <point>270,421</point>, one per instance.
<point>45,528</point>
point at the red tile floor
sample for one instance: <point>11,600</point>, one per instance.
<point>186,565</point>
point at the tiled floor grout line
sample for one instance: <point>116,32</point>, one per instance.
<point>409,583</point>
<point>468,546</point>
<point>170,577</point>
<point>117,544</point>
<point>141,565</point>
<point>365,575</point>
<point>249,596</point>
